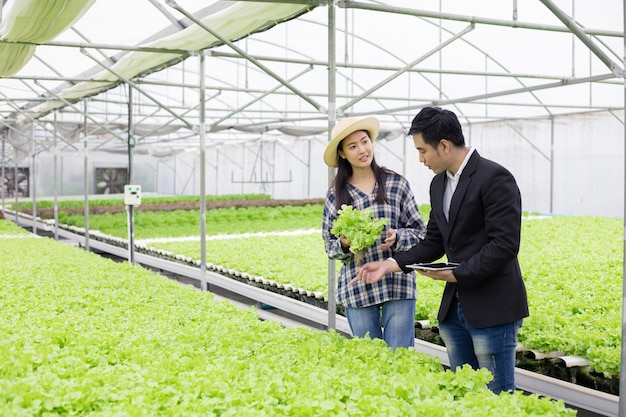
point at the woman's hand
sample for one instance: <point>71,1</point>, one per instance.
<point>390,239</point>
<point>345,243</point>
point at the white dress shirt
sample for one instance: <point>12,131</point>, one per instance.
<point>452,182</point>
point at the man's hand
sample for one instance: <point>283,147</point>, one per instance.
<point>443,275</point>
<point>372,272</point>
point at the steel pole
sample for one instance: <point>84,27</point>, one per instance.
<point>203,276</point>
<point>332,117</point>
<point>622,373</point>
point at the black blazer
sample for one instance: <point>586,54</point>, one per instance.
<point>483,235</point>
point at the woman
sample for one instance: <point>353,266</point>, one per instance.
<point>385,309</point>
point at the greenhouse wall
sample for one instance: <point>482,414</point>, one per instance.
<point>571,165</point>
<point>568,165</point>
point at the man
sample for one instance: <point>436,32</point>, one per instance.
<point>475,221</point>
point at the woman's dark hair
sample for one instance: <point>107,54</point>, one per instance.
<point>435,123</point>
<point>344,172</point>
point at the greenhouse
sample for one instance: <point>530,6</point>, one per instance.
<point>198,103</point>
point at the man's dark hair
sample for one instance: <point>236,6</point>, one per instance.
<point>435,123</point>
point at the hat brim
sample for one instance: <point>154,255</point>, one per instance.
<point>345,128</point>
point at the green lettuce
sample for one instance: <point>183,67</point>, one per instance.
<point>359,226</point>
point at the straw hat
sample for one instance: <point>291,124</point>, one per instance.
<point>345,128</point>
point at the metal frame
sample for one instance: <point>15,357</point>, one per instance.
<point>322,113</point>
<point>19,106</point>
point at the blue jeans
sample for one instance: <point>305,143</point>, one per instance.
<point>492,347</point>
<point>397,327</point>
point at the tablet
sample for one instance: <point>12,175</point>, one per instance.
<point>437,266</point>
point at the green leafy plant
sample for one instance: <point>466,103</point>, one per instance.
<point>359,227</point>
<point>117,200</point>
<point>572,267</point>
<point>8,229</point>
<point>85,336</point>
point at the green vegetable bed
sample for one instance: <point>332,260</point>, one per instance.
<point>82,335</point>
<point>572,267</point>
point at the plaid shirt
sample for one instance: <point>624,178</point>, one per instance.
<point>404,218</point>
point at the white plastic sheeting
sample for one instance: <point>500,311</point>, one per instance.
<point>571,165</point>
<point>486,60</point>
<point>513,72</point>
<point>234,21</point>
<point>33,22</point>
<point>568,165</point>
